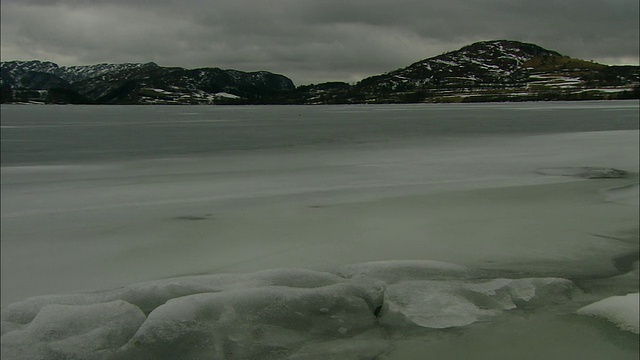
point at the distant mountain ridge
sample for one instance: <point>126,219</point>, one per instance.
<point>18,69</point>
<point>135,84</point>
<point>497,70</point>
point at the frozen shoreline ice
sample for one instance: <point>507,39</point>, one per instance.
<point>268,313</point>
<point>369,309</point>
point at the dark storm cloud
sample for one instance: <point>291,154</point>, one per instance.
<point>308,40</point>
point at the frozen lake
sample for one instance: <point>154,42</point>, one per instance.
<point>434,210</point>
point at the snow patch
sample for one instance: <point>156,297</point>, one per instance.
<point>226,95</point>
<point>620,310</point>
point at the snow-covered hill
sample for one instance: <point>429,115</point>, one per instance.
<point>484,63</point>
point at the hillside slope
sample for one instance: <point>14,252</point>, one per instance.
<point>498,70</point>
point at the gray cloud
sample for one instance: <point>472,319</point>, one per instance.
<point>308,40</point>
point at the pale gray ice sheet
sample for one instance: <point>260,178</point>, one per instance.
<point>466,200</point>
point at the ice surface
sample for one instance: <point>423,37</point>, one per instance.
<point>460,186</point>
<point>620,310</point>
<point>392,271</point>
<point>628,195</point>
<point>468,201</point>
<point>343,349</point>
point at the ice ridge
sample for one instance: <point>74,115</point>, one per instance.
<point>272,314</point>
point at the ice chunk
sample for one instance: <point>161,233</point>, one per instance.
<point>245,323</point>
<point>527,292</point>
<point>432,304</point>
<point>25,311</point>
<point>149,295</point>
<point>264,310</point>
<point>283,313</point>
<point>74,331</point>
<point>452,303</point>
<point>620,310</point>
<point>152,294</point>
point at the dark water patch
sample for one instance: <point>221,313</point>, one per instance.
<point>609,237</point>
<point>585,172</point>
<point>193,217</point>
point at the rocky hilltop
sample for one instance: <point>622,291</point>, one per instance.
<point>499,70</point>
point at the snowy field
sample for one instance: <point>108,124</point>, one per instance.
<point>491,231</point>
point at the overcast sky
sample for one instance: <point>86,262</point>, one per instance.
<point>309,41</point>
